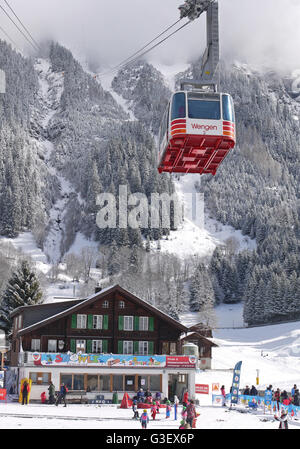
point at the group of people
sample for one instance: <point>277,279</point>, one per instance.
<point>188,414</point>
<point>54,398</point>
<point>146,397</point>
<point>282,397</point>
<point>250,391</point>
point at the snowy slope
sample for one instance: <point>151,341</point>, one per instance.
<point>273,350</point>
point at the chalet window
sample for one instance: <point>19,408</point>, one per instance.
<point>143,347</point>
<point>78,382</point>
<point>118,383</point>
<point>173,350</point>
<point>97,346</point>
<point>35,344</point>
<point>80,345</point>
<point>97,321</point>
<point>40,378</point>
<point>105,304</point>
<point>128,323</point>
<point>81,321</point>
<point>121,304</point>
<point>127,347</point>
<point>52,345</point>
<point>143,323</point>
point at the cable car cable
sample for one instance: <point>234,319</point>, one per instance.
<point>24,27</point>
<point>145,52</point>
<point>146,45</point>
<point>9,38</point>
<point>6,13</point>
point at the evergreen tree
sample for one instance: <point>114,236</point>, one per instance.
<point>22,289</point>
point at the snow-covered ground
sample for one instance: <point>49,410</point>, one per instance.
<point>33,416</point>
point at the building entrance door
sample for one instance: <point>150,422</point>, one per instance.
<point>177,385</point>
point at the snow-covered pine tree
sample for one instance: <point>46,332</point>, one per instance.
<point>22,289</point>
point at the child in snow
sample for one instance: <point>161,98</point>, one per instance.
<point>144,419</point>
<point>153,410</point>
<point>184,413</point>
<point>283,418</point>
<point>168,409</point>
<point>43,397</point>
<point>135,410</point>
<point>182,424</point>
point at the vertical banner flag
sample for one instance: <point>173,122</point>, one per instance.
<point>236,383</point>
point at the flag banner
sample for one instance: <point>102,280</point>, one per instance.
<point>236,383</point>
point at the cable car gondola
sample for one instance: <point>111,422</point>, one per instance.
<point>197,131</point>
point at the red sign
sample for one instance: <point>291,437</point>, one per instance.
<point>181,361</point>
<point>202,389</point>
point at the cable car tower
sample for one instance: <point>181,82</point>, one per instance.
<point>198,128</point>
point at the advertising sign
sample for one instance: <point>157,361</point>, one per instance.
<point>236,383</point>
<point>202,389</point>
<point>181,361</point>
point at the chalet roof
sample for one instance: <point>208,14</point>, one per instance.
<point>198,336</point>
<point>79,304</point>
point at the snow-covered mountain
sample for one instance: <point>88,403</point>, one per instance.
<point>67,135</point>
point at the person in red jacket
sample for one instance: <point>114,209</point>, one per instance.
<point>223,393</point>
<point>277,397</point>
<point>25,391</point>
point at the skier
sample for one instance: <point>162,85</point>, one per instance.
<point>144,419</point>
<point>43,397</point>
<point>223,396</point>
<point>277,397</point>
<point>182,424</point>
<point>253,391</point>
<point>135,410</point>
<point>25,391</point>
<point>191,413</point>
<point>153,410</point>
<point>293,390</point>
<point>51,390</point>
<point>283,418</point>
<point>184,413</point>
<point>247,391</point>
<point>168,409</point>
<point>62,395</point>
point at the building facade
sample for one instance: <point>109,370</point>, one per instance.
<point>111,341</point>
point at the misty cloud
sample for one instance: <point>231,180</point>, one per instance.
<point>262,32</point>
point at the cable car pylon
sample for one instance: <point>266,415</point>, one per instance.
<point>198,128</point>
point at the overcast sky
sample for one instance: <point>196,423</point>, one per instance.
<point>263,32</point>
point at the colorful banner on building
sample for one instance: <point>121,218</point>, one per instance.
<point>236,383</point>
<point>112,360</point>
<point>201,389</point>
<point>98,360</point>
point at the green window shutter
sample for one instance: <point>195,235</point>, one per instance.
<point>150,347</point>
<point>151,324</point>
<point>89,346</point>
<point>121,322</point>
<point>90,321</point>
<point>74,322</point>
<point>135,347</point>
<point>136,323</point>
<point>105,322</point>
<point>120,347</point>
<point>73,345</point>
<point>105,346</point>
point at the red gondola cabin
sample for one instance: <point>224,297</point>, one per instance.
<point>197,132</point>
